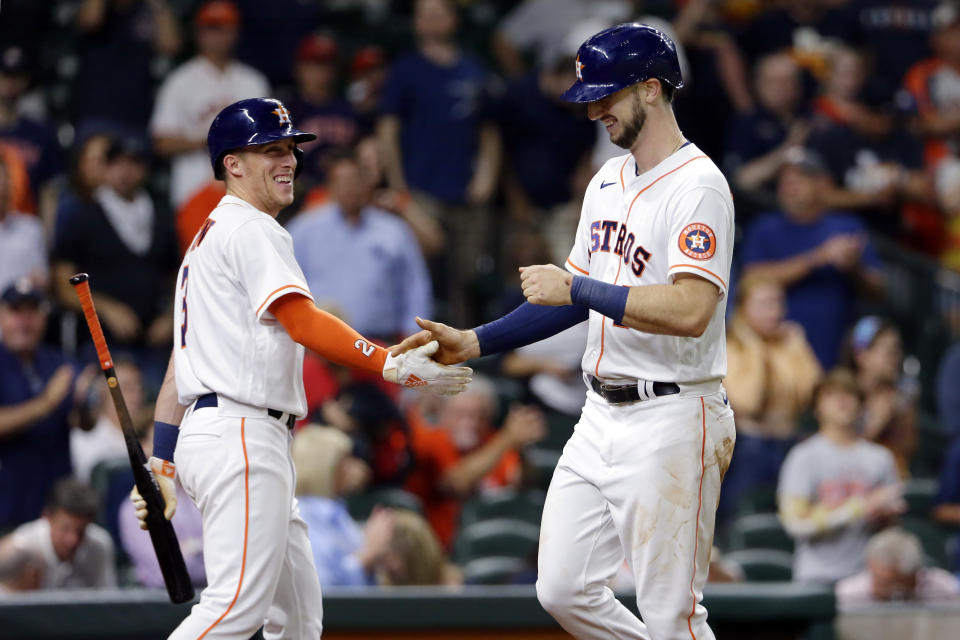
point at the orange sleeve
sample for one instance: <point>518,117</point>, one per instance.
<point>327,335</point>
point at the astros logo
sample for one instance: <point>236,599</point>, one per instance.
<point>579,68</point>
<point>697,241</point>
<point>284,115</point>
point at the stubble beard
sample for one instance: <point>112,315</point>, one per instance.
<point>632,129</point>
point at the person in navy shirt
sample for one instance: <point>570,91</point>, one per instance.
<point>822,259</point>
<point>36,399</point>
<point>947,503</point>
<point>440,143</point>
<point>318,107</point>
<point>541,163</point>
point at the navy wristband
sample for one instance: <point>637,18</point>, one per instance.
<point>605,298</point>
<point>165,440</point>
<point>527,324</point>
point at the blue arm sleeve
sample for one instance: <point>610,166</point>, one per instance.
<point>527,324</point>
<point>165,440</point>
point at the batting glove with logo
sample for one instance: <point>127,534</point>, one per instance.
<point>164,472</point>
<point>415,369</point>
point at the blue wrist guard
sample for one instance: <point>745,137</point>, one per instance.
<point>165,440</point>
<point>602,297</point>
<point>527,324</point>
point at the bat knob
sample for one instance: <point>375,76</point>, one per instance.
<point>77,279</point>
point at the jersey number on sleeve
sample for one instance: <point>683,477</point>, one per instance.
<point>183,326</point>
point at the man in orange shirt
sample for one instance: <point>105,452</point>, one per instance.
<point>464,453</point>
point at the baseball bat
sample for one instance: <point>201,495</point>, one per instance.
<point>162,535</point>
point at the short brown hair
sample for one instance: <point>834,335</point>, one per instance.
<point>839,378</point>
<point>75,497</point>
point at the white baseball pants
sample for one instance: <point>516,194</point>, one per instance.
<point>259,565</point>
<point>640,481</point>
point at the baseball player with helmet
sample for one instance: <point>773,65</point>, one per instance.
<point>234,386</point>
<point>640,476</point>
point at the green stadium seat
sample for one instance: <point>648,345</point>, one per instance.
<point>542,463</point>
<point>920,494</point>
<point>505,537</point>
<point>934,538</point>
<point>760,500</point>
<point>492,570</point>
<point>760,531</point>
<point>763,565</point>
<point>361,505</point>
<point>503,503</point>
<point>559,429</point>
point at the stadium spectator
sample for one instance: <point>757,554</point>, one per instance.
<point>931,92</point>
<point>540,167</point>
<point>187,522</point>
<point>20,569</point>
<point>948,401</point>
<point>318,106</point>
<point>23,246</point>
<point>758,142</point>
<point>380,434</point>
<point>389,284</point>
<point>368,77</point>
<point>771,374</point>
<point>119,40</point>
<point>35,141</point>
<point>344,552</point>
<point>835,487</point>
<point>533,32</point>
<point>796,26</point>
<point>465,454</point>
<point>195,92</point>
<point>105,440</point>
<point>439,141</point>
<point>414,556</point>
<point>890,406</point>
<point>77,553</point>
<point>123,234</point>
<point>36,398</point>
<point>896,572</point>
<point>877,167</point>
<point>87,168</point>
<point>270,32</point>
<point>896,33</point>
<point>822,259</point>
<point>946,508</point>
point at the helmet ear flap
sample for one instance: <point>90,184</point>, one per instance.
<point>298,154</point>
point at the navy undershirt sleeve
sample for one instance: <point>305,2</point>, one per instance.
<point>527,324</point>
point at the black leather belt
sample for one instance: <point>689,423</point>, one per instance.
<point>623,394</point>
<point>210,400</point>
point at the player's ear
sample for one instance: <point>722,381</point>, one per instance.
<point>233,164</point>
<point>650,90</point>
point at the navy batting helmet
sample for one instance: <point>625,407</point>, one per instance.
<point>249,122</point>
<point>622,56</point>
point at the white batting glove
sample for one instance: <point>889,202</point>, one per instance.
<point>415,369</point>
<point>164,472</point>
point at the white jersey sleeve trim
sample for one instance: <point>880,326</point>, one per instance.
<point>279,293</point>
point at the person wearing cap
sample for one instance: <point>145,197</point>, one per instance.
<point>835,487</point>
<point>823,259</point>
<point>123,234</point>
<point>37,395</point>
<point>318,104</point>
<point>195,92</point>
<point>35,142</point>
<point>368,76</point>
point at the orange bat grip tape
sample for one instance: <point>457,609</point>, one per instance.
<point>93,322</point>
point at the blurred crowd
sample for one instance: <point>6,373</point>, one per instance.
<point>444,160</point>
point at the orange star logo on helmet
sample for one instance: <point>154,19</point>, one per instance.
<point>283,114</point>
<point>579,67</point>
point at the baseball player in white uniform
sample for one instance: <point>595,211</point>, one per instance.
<point>640,477</point>
<point>234,386</point>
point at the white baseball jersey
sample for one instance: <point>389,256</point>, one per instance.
<point>188,101</point>
<point>225,339</point>
<point>644,229</point>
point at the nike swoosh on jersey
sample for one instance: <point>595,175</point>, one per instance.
<point>607,184</point>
